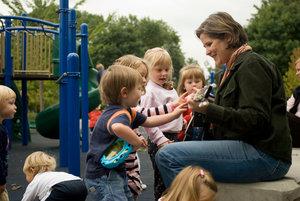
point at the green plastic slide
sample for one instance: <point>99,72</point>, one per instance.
<point>47,121</point>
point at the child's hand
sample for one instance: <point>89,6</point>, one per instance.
<point>181,99</point>
<point>142,143</point>
<point>165,143</point>
<point>180,109</point>
<point>2,188</point>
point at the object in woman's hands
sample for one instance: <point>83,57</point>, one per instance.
<point>203,94</point>
<point>116,154</point>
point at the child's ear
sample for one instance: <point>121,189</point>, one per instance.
<point>124,92</point>
<point>31,170</point>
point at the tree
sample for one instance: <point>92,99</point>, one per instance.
<point>109,38</point>
<point>114,38</point>
<point>290,79</point>
<point>156,33</point>
<point>118,36</point>
<point>191,60</point>
<point>274,30</point>
<point>43,7</point>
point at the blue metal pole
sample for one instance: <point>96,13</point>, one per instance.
<point>72,31</point>
<point>84,87</point>
<point>73,98</point>
<point>30,19</point>
<point>73,111</point>
<point>25,134</point>
<point>63,53</point>
<point>8,71</point>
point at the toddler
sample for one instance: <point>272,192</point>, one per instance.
<point>193,183</point>
<point>121,88</point>
<point>191,77</point>
<point>160,73</point>
<point>48,185</point>
<point>7,111</point>
<point>132,163</point>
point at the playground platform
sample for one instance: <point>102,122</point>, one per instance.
<point>287,189</point>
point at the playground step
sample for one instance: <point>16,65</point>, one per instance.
<point>286,189</point>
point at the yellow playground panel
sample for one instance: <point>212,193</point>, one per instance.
<point>39,53</point>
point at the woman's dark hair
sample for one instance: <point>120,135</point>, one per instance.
<point>221,25</point>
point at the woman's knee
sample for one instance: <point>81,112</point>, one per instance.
<point>163,154</point>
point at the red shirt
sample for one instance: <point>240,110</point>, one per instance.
<point>93,117</point>
<point>187,115</point>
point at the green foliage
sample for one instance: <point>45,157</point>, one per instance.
<point>49,92</point>
<point>191,60</point>
<point>274,30</point>
<point>290,79</point>
<point>117,36</point>
<point>109,39</point>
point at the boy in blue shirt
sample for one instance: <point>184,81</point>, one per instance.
<point>121,89</point>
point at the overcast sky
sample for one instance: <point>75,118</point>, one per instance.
<point>184,16</point>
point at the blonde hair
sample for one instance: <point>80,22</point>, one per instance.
<point>189,72</point>
<point>131,61</point>
<point>193,183</point>
<point>115,78</point>
<point>297,61</point>
<point>134,62</point>
<point>6,93</point>
<point>159,57</point>
<point>39,162</point>
<point>99,66</point>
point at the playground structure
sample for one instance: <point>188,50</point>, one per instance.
<point>26,53</point>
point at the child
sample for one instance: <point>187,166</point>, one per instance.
<point>7,111</point>
<point>132,163</point>
<point>160,72</point>
<point>121,89</point>
<point>190,77</point>
<point>45,184</point>
<point>193,184</point>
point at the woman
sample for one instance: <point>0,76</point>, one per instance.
<point>293,108</point>
<point>252,138</point>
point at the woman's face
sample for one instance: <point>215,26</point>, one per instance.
<point>298,70</point>
<point>217,49</point>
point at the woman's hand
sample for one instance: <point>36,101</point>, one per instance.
<point>199,107</point>
<point>196,106</point>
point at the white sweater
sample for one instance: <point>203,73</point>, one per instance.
<point>290,104</point>
<point>156,96</point>
<point>41,185</point>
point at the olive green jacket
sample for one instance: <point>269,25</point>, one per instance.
<point>250,106</point>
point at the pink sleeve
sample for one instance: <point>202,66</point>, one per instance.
<point>152,111</point>
<point>155,134</point>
